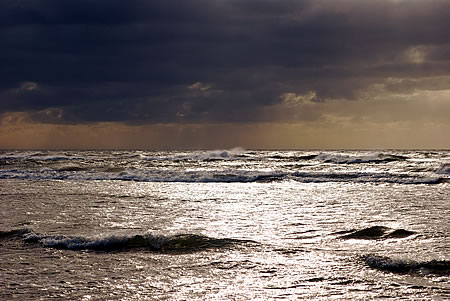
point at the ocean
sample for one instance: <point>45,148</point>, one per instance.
<point>224,225</point>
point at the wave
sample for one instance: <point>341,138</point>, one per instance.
<point>215,155</point>
<point>376,232</point>
<point>91,169</point>
<point>444,169</point>
<point>306,157</point>
<point>14,232</point>
<point>290,157</point>
<point>72,167</point>
<point>201,156</point>
<point>39,156</point>
<point>198,176</point>
<point>339,158</point>
<point>149,242</point>
<point>346,159</point>
<point>78,173</point>
<point>382,263</point>
<point>19,155</point>
<point>364,177</point>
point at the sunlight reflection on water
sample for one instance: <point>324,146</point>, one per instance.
<point>282,238</point>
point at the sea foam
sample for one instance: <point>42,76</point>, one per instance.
<point>147,241</point>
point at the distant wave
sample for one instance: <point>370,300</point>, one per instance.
<point>19,155</point>
<point>72,167</point>
<point>157,243</point>
<point>221,166</point>
<point>14,232</point>
<point>347,159</point>
<point>214,155</point>
<point>364,177</point>
<point>376,232</point>
<point>444,169</point>
<point>335,158</point>
<point>39,156</point>
<point>382,263</point>
<point>76,173</point>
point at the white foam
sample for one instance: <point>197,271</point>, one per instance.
<point>181,242</point>
<point>213,155</point>
<point>110,242</point>
<point>219,176</point>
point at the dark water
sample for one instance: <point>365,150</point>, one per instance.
<point>236,224</point>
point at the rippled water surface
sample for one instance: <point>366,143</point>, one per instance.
<point>136,225</point>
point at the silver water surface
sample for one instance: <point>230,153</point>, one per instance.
<point>286,230</point>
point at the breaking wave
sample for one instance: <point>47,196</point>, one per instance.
<point>76,173</point>
<point>382,263</point>
<point>214,155</point>
<point>227,166</point>
<point>149,242</point>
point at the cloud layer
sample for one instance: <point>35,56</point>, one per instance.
<point>224,61</point>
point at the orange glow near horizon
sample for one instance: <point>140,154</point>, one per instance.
<point>379,119</point>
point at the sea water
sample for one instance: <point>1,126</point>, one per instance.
<point>224,225</point>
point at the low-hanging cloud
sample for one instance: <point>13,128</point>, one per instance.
<point>200,61</point>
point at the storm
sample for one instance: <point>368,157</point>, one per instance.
<point>226,73</point>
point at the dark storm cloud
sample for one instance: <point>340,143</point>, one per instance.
<point>201,60</point>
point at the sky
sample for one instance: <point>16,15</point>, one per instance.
<point>202,74</point>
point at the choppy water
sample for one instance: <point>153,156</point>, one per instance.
<point>236,224</point>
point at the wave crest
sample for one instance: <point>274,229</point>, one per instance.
<point>444,169</point>
<point>158,243</point>
<point>14,233</point>
<point>382,263</point>
<point>377,232</point>
<point>346,159</point>
<point>215,176</point>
